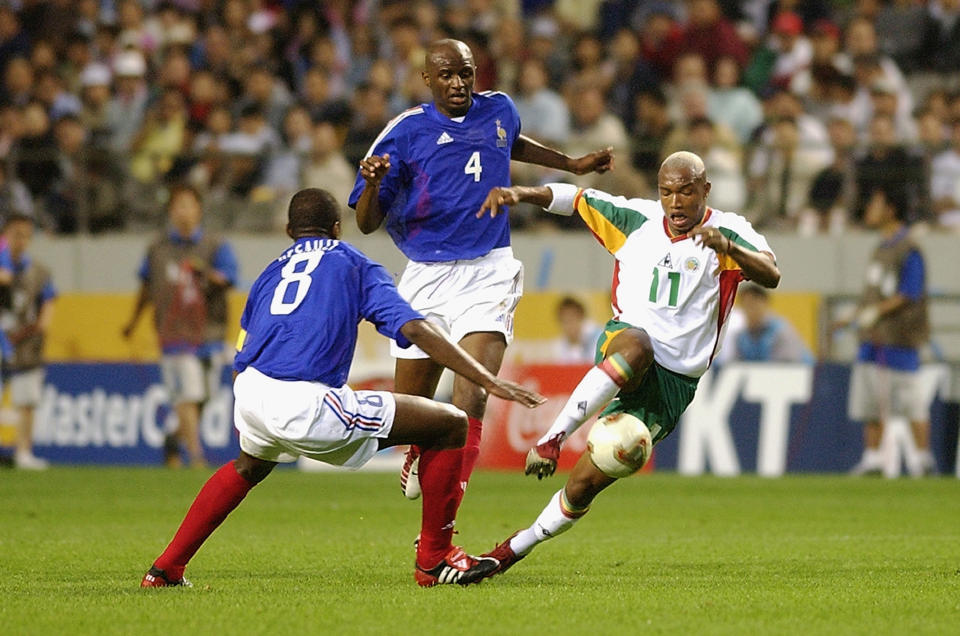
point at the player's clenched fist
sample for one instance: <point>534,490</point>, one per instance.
<point>374,168</point>
<point>713,238</point>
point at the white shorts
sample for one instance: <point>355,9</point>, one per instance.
<point>878,392</point>
<point>280,420</point>
<point>26,387</point>
<point>463,297</point>
<point>185,378</point>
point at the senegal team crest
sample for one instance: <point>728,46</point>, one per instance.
<point>691,264</point>
<point>501,136</point>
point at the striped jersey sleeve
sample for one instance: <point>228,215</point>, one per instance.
<point>611,219</point>
<point>740,232</point>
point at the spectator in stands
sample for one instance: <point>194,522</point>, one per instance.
<point>35,153</point>
<point>651,129</point>
<point>661,40</point>
<point>794,51</point>
<point>161,139</point>
<point>49,90</point>
<point>870,64</point>
<point>126,111</point>
<point>945,181</point>
<point>627,73</point>
<point>941,37</point>
<point>544,112</point>
<point>729,190</point>
<point>95,99</point>
<point>732,104</point>
<point>786,186</point>
<point>596,127</point>
<point>327,168</point>
<point>712,35</point>
<point>577,342</point>
<point>900,26</point>
<point>17,82</point>
<point>888,164</point>
<point>285,168</point>
<point>370,114</point>
<point>825,57</point>
<point>25,326</point>
<point>185,275</point>
<point>14,42</point>
<point>764,336</point>
<point>885,100</point>
<point>271,97</point>
<point>833,191</point>
<point>15,199</point>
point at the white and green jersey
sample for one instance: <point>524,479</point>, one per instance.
<point>679,292</point>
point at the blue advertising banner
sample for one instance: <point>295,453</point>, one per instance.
<point>119,414</point>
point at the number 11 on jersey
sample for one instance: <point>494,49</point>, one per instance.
<point>473,166</point>
<point>674,278</point>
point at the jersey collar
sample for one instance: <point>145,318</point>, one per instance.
<point>677,239</point>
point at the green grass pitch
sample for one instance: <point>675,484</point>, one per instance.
<point>332,553</point>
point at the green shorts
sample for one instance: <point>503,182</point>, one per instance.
<point>662,396</point>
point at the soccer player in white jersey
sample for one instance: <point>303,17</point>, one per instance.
<point>297,339</point>
<point>678,264</point>
<point>424,178</point>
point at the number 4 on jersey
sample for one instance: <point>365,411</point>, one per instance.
<point>473,166</point>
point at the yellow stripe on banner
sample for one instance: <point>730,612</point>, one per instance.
<point>609,234</point>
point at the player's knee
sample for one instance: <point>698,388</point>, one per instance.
<point>471,398</point>
<point>636,349</point>
<point>252,469</point>
<point>454,433</point>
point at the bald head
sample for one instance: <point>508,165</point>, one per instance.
<point>686,163</point>
<point>447,49</point>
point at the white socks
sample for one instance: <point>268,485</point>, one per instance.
<point>556,518</point>
<point>600,385</point>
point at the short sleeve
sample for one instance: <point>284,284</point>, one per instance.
<point>386,143</point>
<point>382,305</point>
<point>514,117</point>
<point>225,262</point>
<point>6,259</point>
<point>740,231</point>
<point>912,275</point>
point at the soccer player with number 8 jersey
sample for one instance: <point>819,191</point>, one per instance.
<point>426,176</point>
<point>678,264</point>
<point>298,334</point>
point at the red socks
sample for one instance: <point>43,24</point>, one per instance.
<point>471,450</point>
<point>219,496</point>
<point>443,476</point>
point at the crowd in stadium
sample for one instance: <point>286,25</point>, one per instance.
<point>798,107</point>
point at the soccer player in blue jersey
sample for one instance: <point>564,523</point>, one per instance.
<point>426,175</point>
<point>299,331</point>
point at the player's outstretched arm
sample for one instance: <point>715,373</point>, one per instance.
<point>429,338</point>
<point>499,197</point>
<point>760,267</point>
<point>529,151</point>
<point>369,215</point>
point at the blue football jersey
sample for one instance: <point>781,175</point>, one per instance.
<point>440,173</point>
<point>300,320</point>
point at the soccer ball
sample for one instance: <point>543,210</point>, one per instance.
<point>619,444</point>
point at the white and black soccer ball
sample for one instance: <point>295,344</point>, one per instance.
<point>619,444</point>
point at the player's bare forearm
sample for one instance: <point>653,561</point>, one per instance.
<point>369,215</point>
<point>143,299</point>
<point>757,266</point>
<point>449,354</point>
<point>497,197</point>
<point>373,169</point>
<point>527,150</point>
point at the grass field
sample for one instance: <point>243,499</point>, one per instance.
<point>332,553</point>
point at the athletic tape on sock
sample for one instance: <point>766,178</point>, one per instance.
<point>617,369</point>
